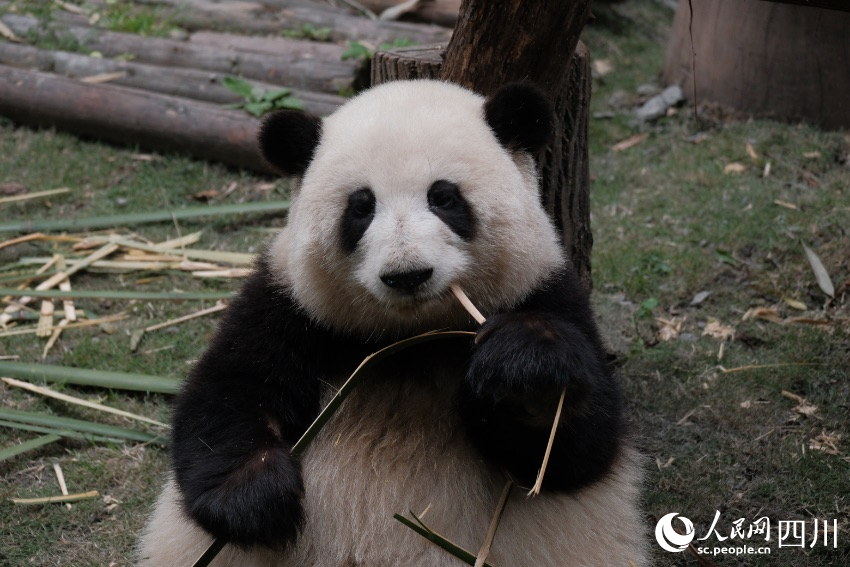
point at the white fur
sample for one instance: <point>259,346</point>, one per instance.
<point>391,449</point>
<point>398,139</point>
<point>396,444</point>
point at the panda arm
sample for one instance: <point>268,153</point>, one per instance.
<point>524,359</point>
<point>248,399</point>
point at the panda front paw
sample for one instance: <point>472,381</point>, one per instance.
<point>531,356</point>
<point>257,503</point>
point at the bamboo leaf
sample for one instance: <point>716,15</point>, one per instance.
<point>822,276</point>
<point>131,219</point>
<point>113,294</point>
<point>367,363</point>
<point>59,432</point>
<point>79,401</point>
<point>70,424</point>
<point>89,377</point>
<point>438,540</point>
<point>10,452</point>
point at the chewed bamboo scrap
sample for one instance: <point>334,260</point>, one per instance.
<point>467,304</point>
<point>535,490</point>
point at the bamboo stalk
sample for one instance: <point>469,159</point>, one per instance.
<point>467,304</point>
<point>144,217</point>
<point>53,338</point>
<point>36,195</point>
<point>494,525</point>
<point>60,477</point>
<point>65,285</point>
<point>79,401</point>
<point>22,239</point>
<point>181,241</point>
<point>214,309</point>
<point>78,425</point>
<point>59,432</point>
<point>89,377</point>
<point>535,490</point>
<point>47,330</point>
<point>60,498</point>
<point>45,319</point>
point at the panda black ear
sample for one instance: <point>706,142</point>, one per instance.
<point>288,139</point>
<point>521,116</point>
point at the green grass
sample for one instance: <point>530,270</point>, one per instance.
<point>667,223</point>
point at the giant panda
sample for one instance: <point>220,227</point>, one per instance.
<point>408,188</point>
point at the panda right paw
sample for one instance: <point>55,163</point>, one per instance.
<point>257,503</point>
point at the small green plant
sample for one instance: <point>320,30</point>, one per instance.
<point>49,38</point>
<point>646,308</point>
<point>357,50</point>
<point>141,20</point>
<point>258,101</point>
<point>310,32</point>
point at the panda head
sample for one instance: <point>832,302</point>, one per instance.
<point>406,189</point>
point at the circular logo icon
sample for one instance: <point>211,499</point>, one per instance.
<point>671,540</point>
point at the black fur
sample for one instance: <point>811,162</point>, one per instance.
<point>446,201</point>
<point>256,390</point>
<point>357,217</point>
<point>288,139</point>
<point>246,402</point>
<point>521,116</point>
<point>524,359</point>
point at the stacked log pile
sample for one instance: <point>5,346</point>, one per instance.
<point>167,94</point>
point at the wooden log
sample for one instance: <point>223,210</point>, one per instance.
<point>768,59</point>
<point>440,12</point>
<point>188,83</point>
<point>128,116</point>
<point>272,16</point>
<point>565,174</point>
<point>305,65</point>
<point>407,63</point>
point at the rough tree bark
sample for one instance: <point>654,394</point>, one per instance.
<point>499,42</point>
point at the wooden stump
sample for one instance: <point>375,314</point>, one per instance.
<point>773,60</point>
<point>564,172</point>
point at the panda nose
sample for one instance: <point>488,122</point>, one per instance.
<point>407,281</point>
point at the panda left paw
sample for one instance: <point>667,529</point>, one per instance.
<point>528,356</point>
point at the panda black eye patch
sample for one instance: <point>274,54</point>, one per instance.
<point>357,217</point>
<point>445,201</point>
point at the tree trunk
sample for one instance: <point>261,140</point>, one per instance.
<point>129,116</point>
<point>407,63</point>
<point>769,59</point>
<point>536,41</point>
